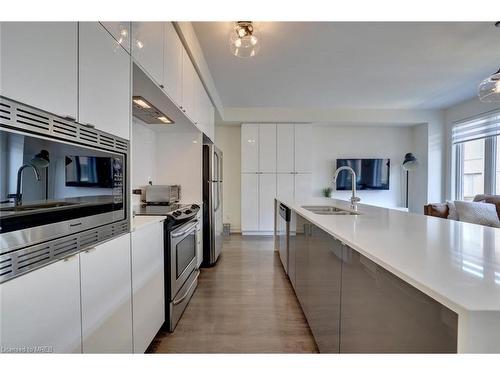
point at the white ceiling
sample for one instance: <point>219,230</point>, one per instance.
<point>353,65</point>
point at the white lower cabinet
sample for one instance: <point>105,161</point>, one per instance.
<point>285,186</point>
<point>106,297</point>
<point>41,310</point>
<point>147,284</point>
<point>267,194</point>
<point>249,202</point>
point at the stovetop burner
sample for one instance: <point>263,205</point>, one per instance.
<point>174,212</point>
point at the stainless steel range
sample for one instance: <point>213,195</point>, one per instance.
<point>181,239</point>
<point>62,188</point>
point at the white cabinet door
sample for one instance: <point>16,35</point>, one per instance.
<point>147,284</point>
<point>285,148</point>
<point>106,297</point>
<point>249,202</point>
<point>267,148</point>
<point>285,186</point>
<point>267,194</point>
<point>302,187</point>
<point>200,105</point>
<point>38,65</point>
<point>188,85</point>
<point>147,47</point>
<point>173,64</point>
<point>120,31</point>
<point>303,138</point>
<point>42,309</point>
<point>210,120</point>
<point>104,85</point>
<point>249,148</point>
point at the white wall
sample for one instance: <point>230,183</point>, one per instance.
<point>469,108</point>
<point>179,162</point>
<point>228,139</point>
<point>167,157</point>
<point>340,142</point>
<point>332,141</point>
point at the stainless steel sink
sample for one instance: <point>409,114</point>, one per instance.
<point>328,210</point>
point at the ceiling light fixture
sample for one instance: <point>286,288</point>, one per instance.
<point>488,90</point>
<point>244,39</point>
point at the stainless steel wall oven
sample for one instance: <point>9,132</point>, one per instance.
<point>63,187</point>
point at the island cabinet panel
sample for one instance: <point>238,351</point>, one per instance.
<point>300,250</point>
<point>383,314</point>
<point>323,289</point>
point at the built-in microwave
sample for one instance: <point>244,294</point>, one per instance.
<point>62,187</point>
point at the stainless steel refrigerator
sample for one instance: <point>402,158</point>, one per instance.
<point>212,204</point>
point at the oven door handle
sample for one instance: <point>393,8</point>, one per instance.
<point>175,234</point>
<point>179,300</point>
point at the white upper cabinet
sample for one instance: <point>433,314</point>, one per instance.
<point>38,65</point>
<point>147,48</point>
<point>106,297</point>
<point>120,31</point>
<point>250,148</point>
<point>303,137</point>
<point>172,73</point>
<point>188,85</point>
<point>42,309</point>
<point>104,84</point>
<point>285,148</point>
<point>147,284</point>
<point>267,148</point>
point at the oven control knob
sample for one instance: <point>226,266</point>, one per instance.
<point>187,212</point>
<point>195,207</point>
<point>176,213</point>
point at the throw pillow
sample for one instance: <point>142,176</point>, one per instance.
<point>478,213</point>
<point>452,210</point>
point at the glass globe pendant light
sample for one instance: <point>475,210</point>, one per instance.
<point>489,89</point>
<point>244,39</point>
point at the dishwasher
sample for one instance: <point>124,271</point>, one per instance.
<point>283,233</point>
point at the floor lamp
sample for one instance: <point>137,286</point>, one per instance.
<point>410,163</point>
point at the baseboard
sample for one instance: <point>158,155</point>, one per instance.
<point>258,233</point>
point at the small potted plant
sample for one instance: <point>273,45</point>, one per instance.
<point>327,192</point>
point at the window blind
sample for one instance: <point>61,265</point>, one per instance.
<point>483,126</point>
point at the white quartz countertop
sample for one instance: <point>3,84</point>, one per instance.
<point>140,221</point>
<point>458,264</point>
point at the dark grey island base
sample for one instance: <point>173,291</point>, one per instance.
<point>355,306</point>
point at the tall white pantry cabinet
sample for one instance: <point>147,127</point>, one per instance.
<point>275,161</point>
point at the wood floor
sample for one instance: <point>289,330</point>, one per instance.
<point>245,304</point>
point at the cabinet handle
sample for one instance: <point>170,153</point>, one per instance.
<point>89,250</point>
<point>70,117</point>
<point>70,257</point>
<point>88,125</point>
<point>162,87</point>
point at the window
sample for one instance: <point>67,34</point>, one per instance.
<point>477,162</point>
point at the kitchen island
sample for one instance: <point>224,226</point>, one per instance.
<point>382,280</point>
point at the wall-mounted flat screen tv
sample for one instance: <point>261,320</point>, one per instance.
<point>89,171</point>
<point>371,174</point>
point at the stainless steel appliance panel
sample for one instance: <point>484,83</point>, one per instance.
<point>283,233</point>
<point>182,254</point>
<point>162,193</point>
<point>212,202</point>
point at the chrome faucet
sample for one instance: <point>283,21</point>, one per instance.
<point>18,197</point>
<point>354,199</point>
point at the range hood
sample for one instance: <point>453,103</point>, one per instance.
<point>148,113</point>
